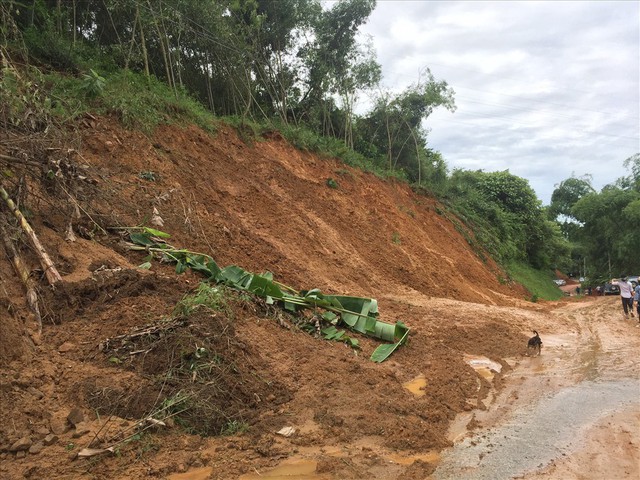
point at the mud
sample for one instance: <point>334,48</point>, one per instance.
<point>265,206</point>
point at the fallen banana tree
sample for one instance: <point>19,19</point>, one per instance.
<point>357,313</point>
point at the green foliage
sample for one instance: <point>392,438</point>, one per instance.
<point>212,297</point>
<point>357,313</point>
<point>538,282</point>
<point>329,147</point>
<point>567,194</point>
<point>331,183</point>
<point>608,231</point>
<point>393,129</point>
<point>506,217</point>
<point>92,83</point>
<point>137,101</point>
<point>234,427</point>
<point>25,102</point>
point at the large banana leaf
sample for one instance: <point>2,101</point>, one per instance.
<point>401,332</point>
<point>358,313</point>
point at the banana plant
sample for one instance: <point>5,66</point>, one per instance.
<point>357,313</point>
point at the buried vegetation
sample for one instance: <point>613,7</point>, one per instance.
<point>356,313</point>
<point>202,373</point>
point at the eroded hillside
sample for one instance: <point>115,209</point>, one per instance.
<point>264,206</point>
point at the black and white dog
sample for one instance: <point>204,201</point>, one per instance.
<point>534,343</point>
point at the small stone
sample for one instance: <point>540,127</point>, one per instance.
<point>75,416</point>
<point>81,429</point>
<point>21,454</point>
<point>271,397</point>
<point>23,444</point>
<point>36,448</point>
<point>35,392</point>
<point>58,427</point>
<point>50,439</point>
<point>66,347</point>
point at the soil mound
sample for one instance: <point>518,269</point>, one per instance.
<point>115,349</point>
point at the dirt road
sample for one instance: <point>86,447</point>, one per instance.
<point>571,413</point>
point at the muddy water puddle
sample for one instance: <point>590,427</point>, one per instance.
<point>197,474</point>
<point>484,366</point>
<point>417,385</point>
<point>297,468</point>
<point>290,469</point>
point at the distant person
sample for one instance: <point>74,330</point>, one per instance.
<point>636,297</point>
<point>626,292</point>
<point>578,290</point>
<point>589,291</point>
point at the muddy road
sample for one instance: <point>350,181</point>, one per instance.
<point>571,413</point>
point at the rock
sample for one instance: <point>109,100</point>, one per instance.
<point>75,416</point>
<point>35,392</point>
<point>286,431</point>
<point>36,448</point>
<point>21,454</point>
<point>42,432</point>
<point>66,347</point>
<point>58,427</point>
<point>81,429</point>
<point>21,445</point>
<point>50,439</point>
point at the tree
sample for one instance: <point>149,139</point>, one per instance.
<point>608,233</point>
<point>567,194</point>
<point>394,128</point>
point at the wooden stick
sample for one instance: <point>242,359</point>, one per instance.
<point>23,273</point>
<point>49,269</point>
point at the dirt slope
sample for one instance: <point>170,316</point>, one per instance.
<point>263,206</point>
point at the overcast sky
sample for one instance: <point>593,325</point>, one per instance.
<point>543,89</point>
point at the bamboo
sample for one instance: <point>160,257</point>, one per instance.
<point>23,273</point>
<point>49,269</point>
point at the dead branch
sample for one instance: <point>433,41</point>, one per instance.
<point>49,269</point>
<point>23,273</point>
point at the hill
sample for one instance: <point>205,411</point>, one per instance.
<point>113,350</point>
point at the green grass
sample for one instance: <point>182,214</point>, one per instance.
<point>212,297</point>
<point>538,282</point>
<point>139,102</point>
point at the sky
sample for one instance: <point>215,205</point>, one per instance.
<point>546,90</point>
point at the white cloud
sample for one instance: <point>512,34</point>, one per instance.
<point>544,89</point>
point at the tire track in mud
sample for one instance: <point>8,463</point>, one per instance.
<point>589,370</point>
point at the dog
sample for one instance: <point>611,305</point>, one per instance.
<point>534,343</point>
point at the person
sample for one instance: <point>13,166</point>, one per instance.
<point>625,294</point>
<point>636,297</point>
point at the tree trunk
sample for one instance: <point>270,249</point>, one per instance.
<point>145,55</point>
<point>133,39</point>
<point>162,45</point>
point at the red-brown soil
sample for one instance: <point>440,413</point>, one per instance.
<point>266,207</point>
